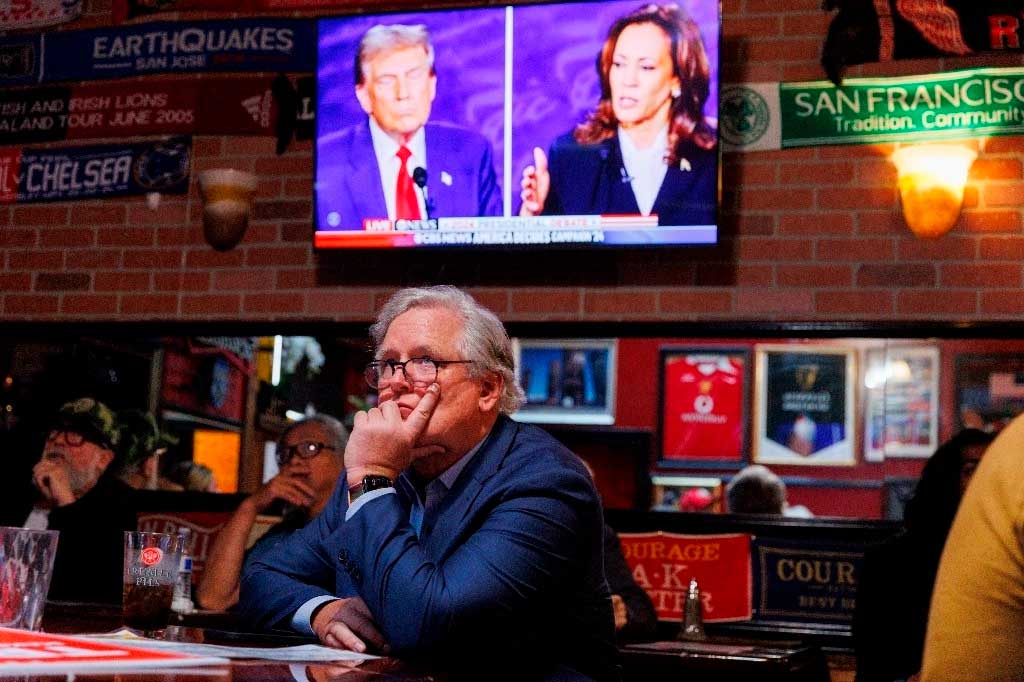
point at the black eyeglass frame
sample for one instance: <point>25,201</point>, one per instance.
<point>375,368</point>
<point>307,449</point>
<point>81,436</point>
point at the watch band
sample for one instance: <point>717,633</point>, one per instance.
<point>371,482</point>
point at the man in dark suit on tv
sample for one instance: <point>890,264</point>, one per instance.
<point>394,164</point>
<point>455,534</point>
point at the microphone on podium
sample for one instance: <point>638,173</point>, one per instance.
<point>419,176</point>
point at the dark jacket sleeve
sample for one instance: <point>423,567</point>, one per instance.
<point>641,618</point>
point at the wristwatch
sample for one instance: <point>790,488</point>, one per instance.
<point>371,482</point>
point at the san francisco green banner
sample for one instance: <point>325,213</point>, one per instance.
<point>958,104</point>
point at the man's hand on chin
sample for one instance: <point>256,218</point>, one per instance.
<point>348,624</point>
<point>382,442</point>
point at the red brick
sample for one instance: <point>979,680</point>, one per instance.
<point>149,304</point>
<point>996,169</point>
<point>298,188</point>
<point>304,278</point>
<point>896,276</point>
<point>253,280</point>
<point>839,172</point>
<point>62,281</point>
<point>1001,248</point>
<point>152,259</point>
<point>167,213</point>
<point>695,301</point>
<point>989,275</point>
<point>971,195</point>
<point>546,301</point>
<point>68,236</point>
<point>30,304</point>
<point>99,214</point>
<point>282,210</point>
<point>856,198</point>
<point>495,301</point>
<point>262,233</point>
<point>89,304</point>
<point>753,275</point>
<point>35,260</point>
<point>43,216</point>
<point>776,199</point>
<point>991,221</point>
<point>1003,194</point>
<point>936,302</point>
<point>887,222</point>
<point>296,232</point>
<point>876,172</point>
<point>1002,302</point>
<point>774,249</point>
<point>857,152</point>
<point>878,302</point>
<point>179,235</point>
<point>759,301</point>
<point>947,248</point>
<point>805,24</point>
<point>814,224</point>
<point>12,236</point>
<point>759,26</point>
<point>278,255</point>
<point>21,281</point>
<point>211,304</point>
<point>751,223</point>
<point>280,166</point>
<point>127,236</point>
<point>207,146</point>
<point>620,303</point>
<point>208,258</point>
<point>181,281</point>
<point>242,163</point>
<point>748,174</point>
<point>1002,145</point>
<point>814,275</point>
<point>796,71</point>
<point>122,281</point>
<point>783,49</point>
<point>359,305</point>
<point>855,249</point>
<point>95,258</point>
<point>270,188</point>
<point>739,70</point>
<point>256,145</point>
<point>273,303</point>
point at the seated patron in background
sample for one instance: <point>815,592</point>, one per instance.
<point>459,535</point>
<point>648,147</point>
<point>142,446</point>
<point>379,158</point>
<point>894,588</point>
<point>976,621</point>
<point>756,490</point>
<point>81,497</point>
<point>309,454</point>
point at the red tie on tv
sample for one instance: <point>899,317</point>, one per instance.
<point>406,206</point>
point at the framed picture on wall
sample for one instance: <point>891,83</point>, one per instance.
<point>703,407</point>
<point>901,417</point>
<point>805,405</point>
<point>566,381</point>
<point>687,493</point>
<point>989,390</point>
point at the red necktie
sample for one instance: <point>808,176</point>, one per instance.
<point>406,206</point>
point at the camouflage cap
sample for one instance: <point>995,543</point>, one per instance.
<point>140,436</point>
<point>92,419</point>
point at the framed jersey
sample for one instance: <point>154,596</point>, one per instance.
<point>704,407</point>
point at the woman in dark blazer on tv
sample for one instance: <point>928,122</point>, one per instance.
<point>647,148</point>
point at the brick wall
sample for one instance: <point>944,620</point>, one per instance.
<point>809,234</point>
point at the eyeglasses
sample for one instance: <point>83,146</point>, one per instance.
<point>307,449</point>
<point>416,370</point>
<point>73,438</point>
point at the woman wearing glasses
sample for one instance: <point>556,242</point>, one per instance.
<point>309,454</point>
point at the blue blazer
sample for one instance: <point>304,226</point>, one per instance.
<point>591,179</point>
<point>460,175</point>
<point>507,572</point>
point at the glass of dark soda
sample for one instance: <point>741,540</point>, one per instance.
<point>150,569</point>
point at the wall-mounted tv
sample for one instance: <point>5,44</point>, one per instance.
<point>575,123</point>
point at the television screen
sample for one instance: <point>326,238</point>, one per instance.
<point>558,124</point>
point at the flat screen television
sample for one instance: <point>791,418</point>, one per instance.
<point>574,123</point>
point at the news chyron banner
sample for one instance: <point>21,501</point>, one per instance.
<point>95,172</point>
<point>178,106</point>
<point>806,582</point>
<point>953,105</point>
<point>664,563</point>
<point>19,14</point>
<point>242,45</point>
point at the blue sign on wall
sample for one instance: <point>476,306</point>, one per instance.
<point>805,582</point>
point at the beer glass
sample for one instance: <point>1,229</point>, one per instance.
<point>150,570</point>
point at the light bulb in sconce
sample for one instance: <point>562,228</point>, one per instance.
<point>931,182</point>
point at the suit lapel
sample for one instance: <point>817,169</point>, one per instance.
<point>364,177</point>
<point>444,180</point>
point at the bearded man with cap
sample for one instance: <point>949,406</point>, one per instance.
<point>80,496</point>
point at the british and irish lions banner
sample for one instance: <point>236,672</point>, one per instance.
<point>957,104</point>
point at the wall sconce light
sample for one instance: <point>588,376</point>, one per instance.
<point>227,201</point>
<point>931,181</point>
